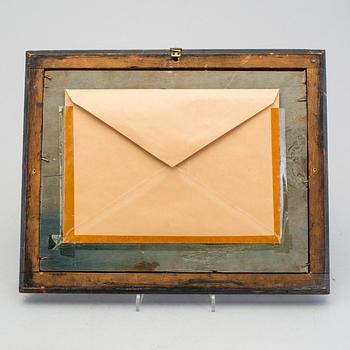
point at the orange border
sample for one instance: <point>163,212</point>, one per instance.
<point>69,235</point>
<point>68,177</point>
<point>276,169</point>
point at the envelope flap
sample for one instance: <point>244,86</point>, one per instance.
<point>173,124</point>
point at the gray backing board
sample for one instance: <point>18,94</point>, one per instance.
<point>290,256</point>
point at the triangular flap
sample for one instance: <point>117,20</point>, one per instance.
<point>173,124</point>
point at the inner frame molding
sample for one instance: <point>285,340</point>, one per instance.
<point>315,280</point>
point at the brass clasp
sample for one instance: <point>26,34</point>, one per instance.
<point>175,53</point>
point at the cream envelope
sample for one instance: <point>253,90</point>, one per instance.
<point>172,165</point>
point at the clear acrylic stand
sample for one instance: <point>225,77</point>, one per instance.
<point>212,302</point>
<point>139,299</point>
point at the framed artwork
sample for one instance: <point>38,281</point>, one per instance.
<point>181,171</point>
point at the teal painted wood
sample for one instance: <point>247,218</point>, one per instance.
<point>290,256</point>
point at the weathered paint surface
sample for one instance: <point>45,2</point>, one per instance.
<point>290,256</point>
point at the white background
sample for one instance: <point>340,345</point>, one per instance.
<point>173,322</point>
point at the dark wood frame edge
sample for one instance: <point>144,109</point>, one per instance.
<point>316,281</point>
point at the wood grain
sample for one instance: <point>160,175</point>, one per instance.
<point>317,154</point>
<point>74,282</point>
<point>222,60</point>
<point>31,173</point>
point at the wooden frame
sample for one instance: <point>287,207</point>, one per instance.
<point>316,280</point>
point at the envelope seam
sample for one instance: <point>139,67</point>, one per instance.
<point>224,201</point>
<point>111,203</point>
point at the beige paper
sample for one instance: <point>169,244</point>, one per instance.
<point>184,165</point>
